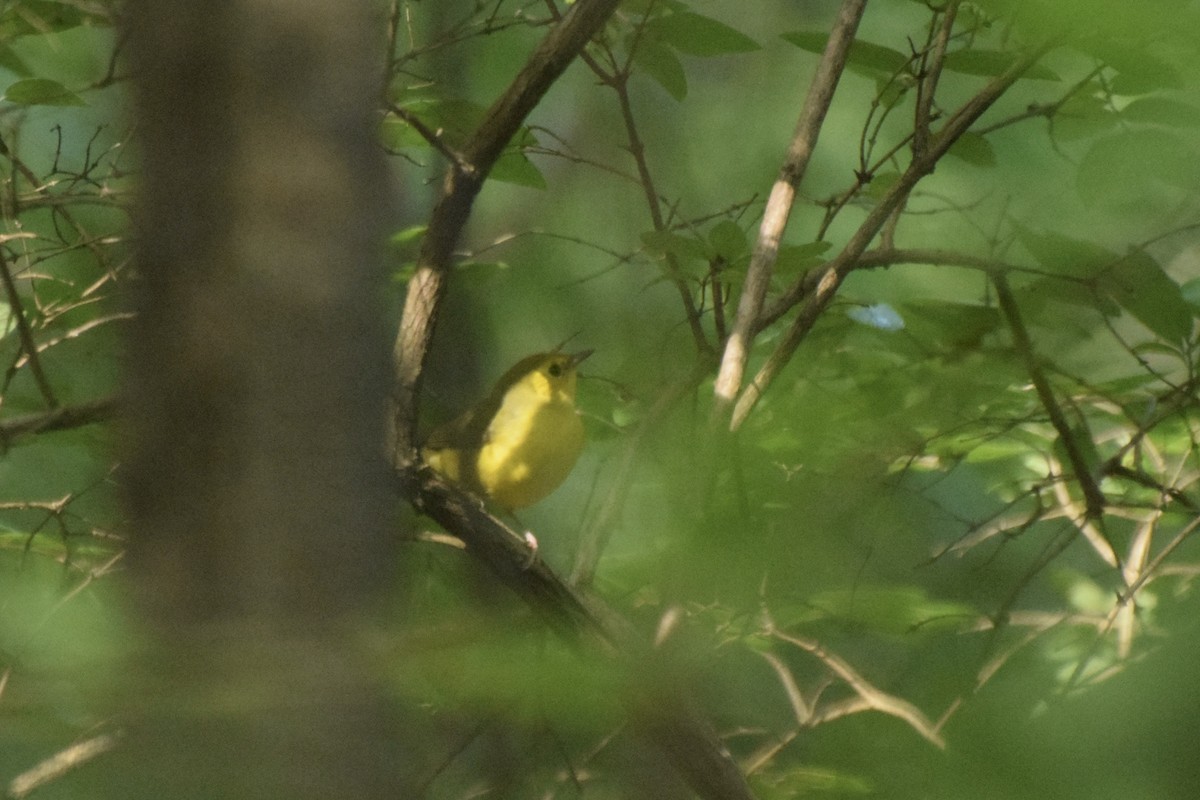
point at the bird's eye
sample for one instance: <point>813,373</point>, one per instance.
<point>556,369</point>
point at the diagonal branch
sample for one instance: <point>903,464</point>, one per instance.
<point>779,205</point>
<point>829,278</point>
<point>462,182</point>
<point>25,332</point>
<point>658,707</point>
<point>1093,497</point>
<point>58,419</point>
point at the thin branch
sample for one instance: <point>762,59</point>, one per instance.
<point>620,84</point>
<point>595,535</point>
<point>872,698</point>
<point>434,138</point>
<point>1093,497</point>
<point>932,73</point>
<point>58,419</point>
<point>25,332</point>
<point>61,763</point>
<point>779,206</point>
<point>830,277</point>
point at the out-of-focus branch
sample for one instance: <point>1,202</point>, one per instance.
<point>58,419</point>
<point>1093,497</point>
<point>25,332</point>
<point>464,178</point>
<point>659,709</point>
<point>779,206</point>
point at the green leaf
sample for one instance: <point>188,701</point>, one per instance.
<point>39,17</point>
<point>794,260</point>
<point>407,236</point>
<point>12,62</point>
<point>698,35</point>
<point>1161,111</point>
<point>660,63</point>
<point>1139,284</point>
<point>1063,255</point>
<point>1084,115</point>
<point>41,92</point>
<point>662,242</point>
<point>896,610</point>
<point>974,149</point>
<point>729,241</point>
<point>1128,169</point>
<point>865,56</point>
<point>1139,71</point>
<point>1191,293</point>
<point>516,168</point>
<point>991,63</point>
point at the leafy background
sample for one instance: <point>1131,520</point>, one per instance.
<point>887,584</point>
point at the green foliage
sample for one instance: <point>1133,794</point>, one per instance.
<point>891,553</point>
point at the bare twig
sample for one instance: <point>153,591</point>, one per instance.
<point>779,206</point>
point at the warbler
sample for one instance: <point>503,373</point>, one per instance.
<point>520,442</point>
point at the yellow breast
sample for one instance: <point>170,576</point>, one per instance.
<point>529,449</point>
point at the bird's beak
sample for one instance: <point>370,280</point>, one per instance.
<point>580,356</point>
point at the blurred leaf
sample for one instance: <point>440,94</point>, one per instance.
<point>1191,293</point>
<point>41,92</point>
<point>810,781</point>
<point>867,57</point>
<point>793,260</point>
<point>1063,255</point>
<point>974,149</point>
<point>12,62</point>
<point>698,35</point>
<point>1128,168</point>
<point>951,326</point>
<point>1139,70</point>
<point>991,63</point>
<point>516,168</point>
<point>1139,284</point>
<point>661,64</point>
<point>661,242</point>
<point>1161,111</point>
<point>729,241</point>
<point>1085,114</point>
<point>39,17</point>
<point>895,610</point>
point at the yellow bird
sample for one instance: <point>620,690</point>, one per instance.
<point>520,442</point>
